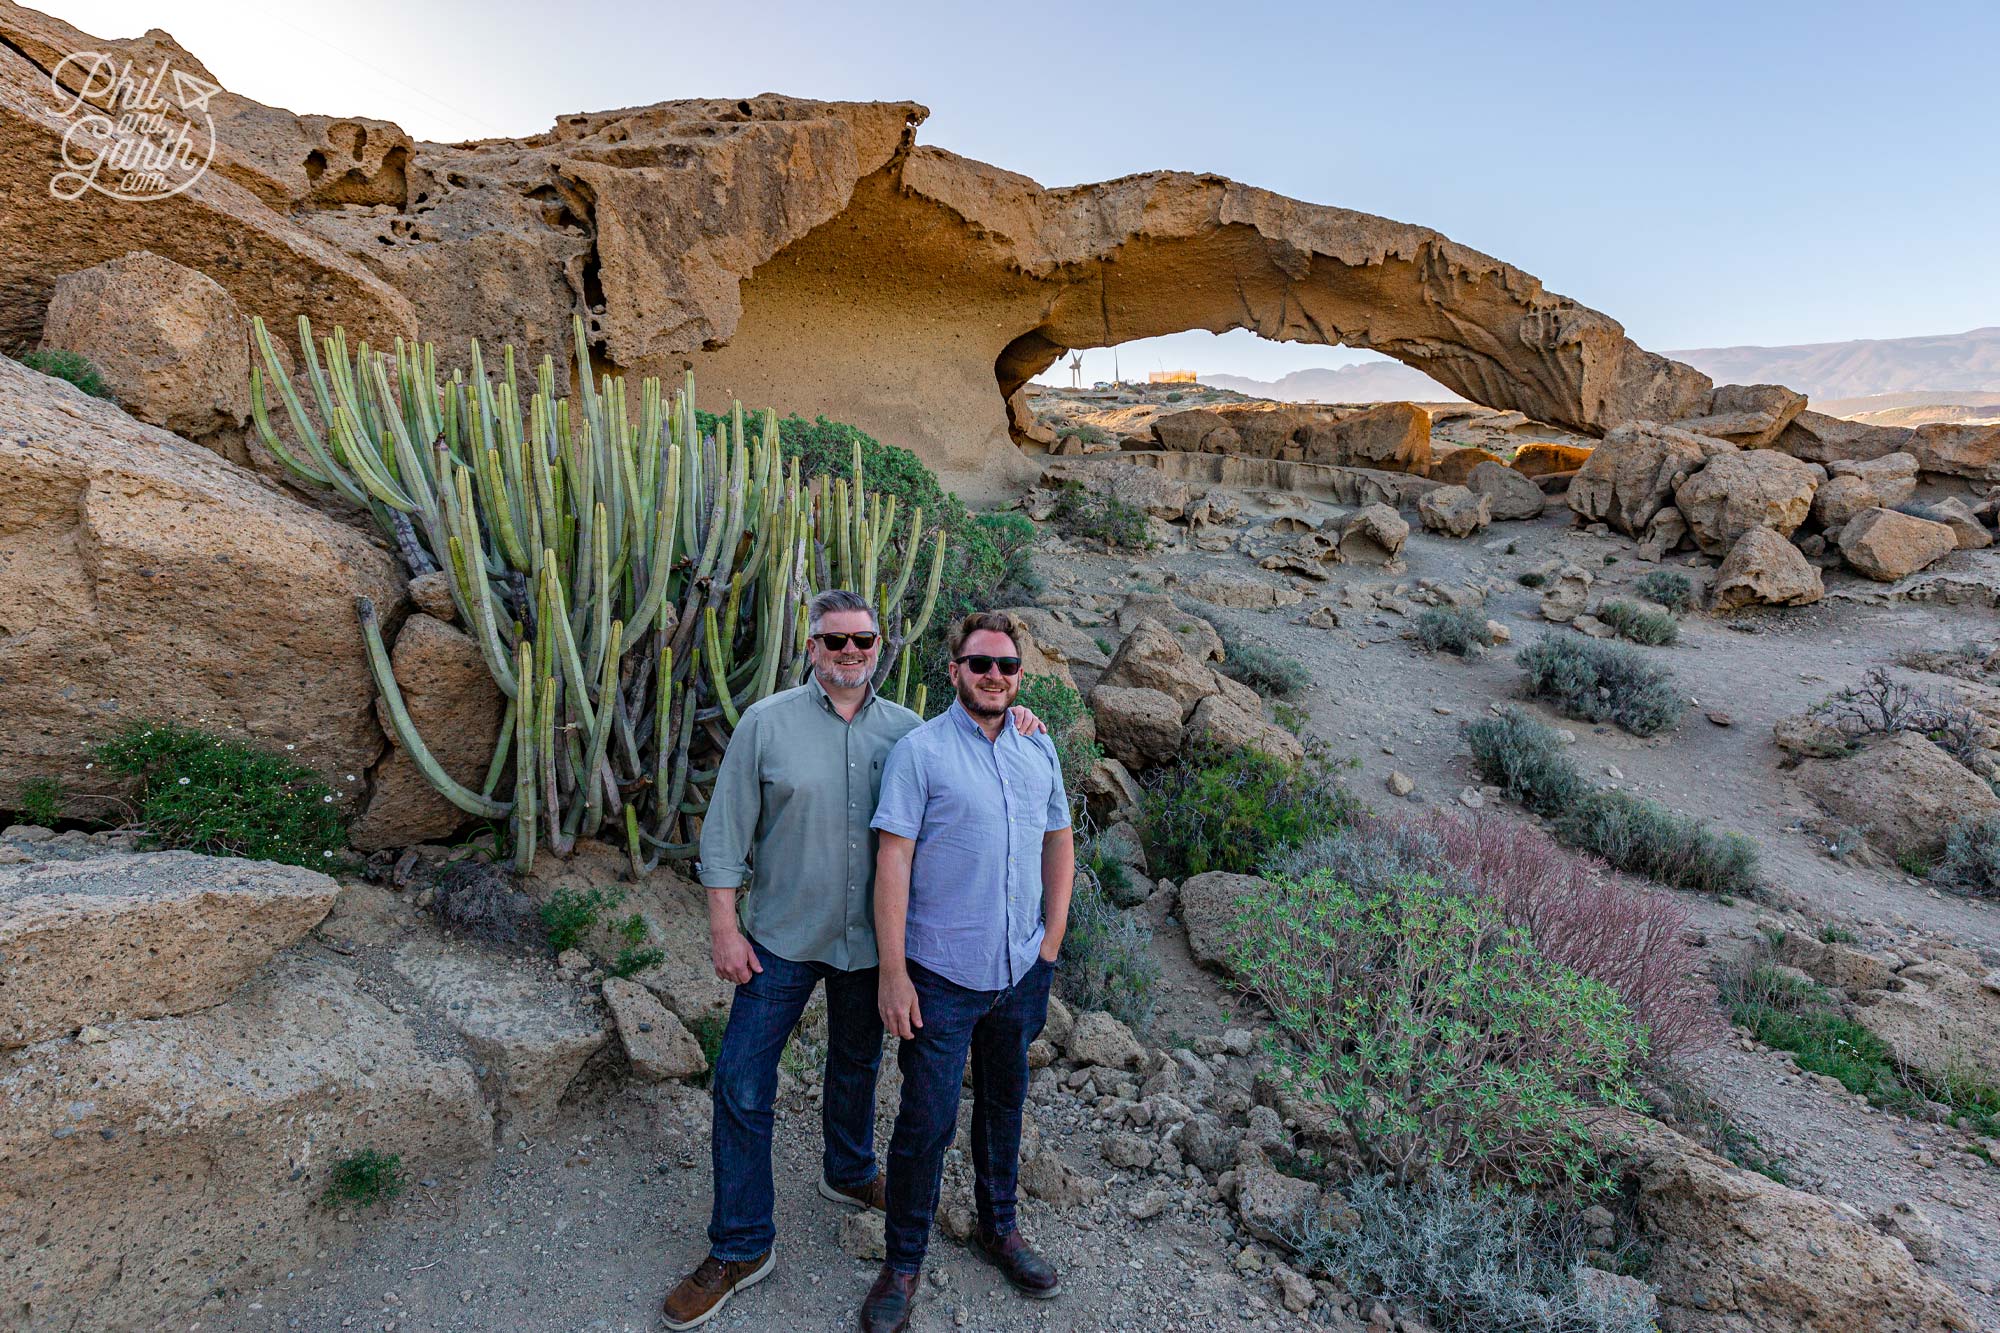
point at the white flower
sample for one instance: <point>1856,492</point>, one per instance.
<point>291,747</point>
<point>327,799</point>
<point>184,782</point>
<point>328,855</point>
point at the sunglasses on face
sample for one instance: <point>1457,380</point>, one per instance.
<point>979,664</point>
<point>835,642</point>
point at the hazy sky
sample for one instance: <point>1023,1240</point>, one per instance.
<point>1709,174</point>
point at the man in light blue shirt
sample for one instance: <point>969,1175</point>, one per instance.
<point>973,874</point>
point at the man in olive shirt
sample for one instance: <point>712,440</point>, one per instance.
<point>794,798</point>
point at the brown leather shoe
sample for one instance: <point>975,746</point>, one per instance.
<point>706,1290</point>
<point>1026,1271</point>
<point>887,1306</point>
<point>872,1195</point>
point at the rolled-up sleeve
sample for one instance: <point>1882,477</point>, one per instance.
<point>1058,816</point>
<point>900,807</point>
<point>730,827</point>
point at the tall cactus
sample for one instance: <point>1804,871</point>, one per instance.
<point>632,582</point>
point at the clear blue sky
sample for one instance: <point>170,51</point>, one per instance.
<point>1709,174</point>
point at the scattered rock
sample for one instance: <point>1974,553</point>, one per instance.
<point>1139,728</point>
<point>655,1042</point>
<point>1401,783</point>
<point>1886,545</point>
<point>1273,1206</point>
<point>1221,722</point>
<point>1664,533</point>
<point>1738,491</point>
<point>1512,495</point>
<point>862,1234</point>
<point>1763,569</point>
<point>1633,474</point>
<point>1209,910</point>
<point>1455,511</point>
<point>1565,594</point>
<point>1373,535</point>
<point>1218,589</point>
<point>1099,1039</point>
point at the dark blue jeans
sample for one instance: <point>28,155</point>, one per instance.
<point>994,1027</point>
<point>745,1085</point>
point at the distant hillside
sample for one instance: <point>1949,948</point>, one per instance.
<point>1932,366</point>
<point>1370,382</point>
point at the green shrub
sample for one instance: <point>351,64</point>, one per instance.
<point>707,1028</point>
<point>1270,673</point>
<point>71,366</point>
<point>1107,958</point>
<point>1531,579</point>
<point>1527,760</point>
<point>1092,516</point>
<point>42,801</point>
<point>1081,430</point>
<point>569,914</point>
<point>1833,934</point>
<point>1602,682</point>
<point>1655,629</point>
<point>1458,630</point>
<point>1972,856</point>
<point>202,793</point>
<point>1013,538</point>
<point>1643,837</point>
<point>1062,709</point>
<point>1470,1259</point>
<point>365,1178</point>
<point>1218,809</point>
<point>1668,587</point>
<point>1435,1031</point>
<point>633,959</point>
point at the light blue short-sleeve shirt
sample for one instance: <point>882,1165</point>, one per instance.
<point>977,810</point>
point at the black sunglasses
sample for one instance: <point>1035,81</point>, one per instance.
<point>835,642</point>
<point>979,664</point>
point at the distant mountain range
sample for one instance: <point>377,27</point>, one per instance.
<point>1932,369</point>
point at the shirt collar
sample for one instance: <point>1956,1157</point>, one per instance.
<point>825,700</point>
<point>970,723</point>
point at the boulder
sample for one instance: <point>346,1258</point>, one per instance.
<point>1139,728</point>
<point>1886,545</point>
<point>146,578</point>
<point>1145,488</point>
<point>1957,515</point>
<point>1565,594</point>
<point>1455,468</point>
<point>147,936</point>
<point>1199,637</point>
<point>1393,437</point>
<point>457,710</point>
<point>656,1045</point>
<point>1272,1205</point>
<point>171,343</point>
<point>1939,1018</point>
<point>1665,532</point>
<point>1062,643</point>
<point>1099,1039</point>
<point>1856,484</point>
<point>1738,491</point>
<point>171,1158</point>
<point>1153,658</point>
<point>1513,495</point>
<point>1241,594</point>
<point>1763,569</point>
<point>529,1033</point>
<point>1901,790</point>
<point>1750,416</point>
<point>1373,535</point>
<point>1111,789</point>
<point>1633,474</point>
<point>1735,1252</point>
<point>1544,458</point>
<point>1209,911</point>
<point>1455,511</point>
<point>1965,451</point>
<point>1220,721</point>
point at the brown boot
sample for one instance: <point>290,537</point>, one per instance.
<point>887,1306</point>
<point>706,1290</point>
<point>872,1195</point>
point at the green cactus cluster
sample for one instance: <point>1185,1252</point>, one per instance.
<point>633,582</point>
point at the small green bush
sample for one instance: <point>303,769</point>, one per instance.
<point>1270,673</point>
<point>71,366</point>
<point>42,801</point>
<point>707,1028</point>
<point>1090,516</point>
<point>1061,708</point>
<point>1081,430</point>
<point>1602,682</point>
<point>569,914</point>
<point>1012,537</point>
<point>1832,934</point>
<point>1531,579</point>
<point>1655,629</point>
<point>1107,958</point>
<point>202,793</point>
<point>1669,588</point>
<point>632,960</point>
<point>1435,1031</point>
<point>1972,856</point>
<point>1218,809</point>
<point>365,1178</point>
<point>1458,630</point>
<point>1470,1259</point>
<point>1527,760</point>
<point>1643,837</point>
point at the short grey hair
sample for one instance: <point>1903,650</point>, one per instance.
<point>837,599</point>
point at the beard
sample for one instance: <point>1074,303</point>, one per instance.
<point>835,675</point>
<point>981,703</point>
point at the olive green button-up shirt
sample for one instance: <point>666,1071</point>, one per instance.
<point>793,799</point>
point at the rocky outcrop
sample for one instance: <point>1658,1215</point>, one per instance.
<point>104,939</point>
<point>1373,535</point>
<point>147,579</point>
<point>1734,1252</point>
<point>1513,494</point>
<point>1763,569</point>
<point>1632,475</point>
<point>1964,451</point>
<point>1740,490</point>
<point>1395,437</point>
<point>166,1159</point>
<point>1455,511</point>
<point>1938,1017</point>
<point>1852,486</point>
<point>1901,790</point>
<point>1455,468</point>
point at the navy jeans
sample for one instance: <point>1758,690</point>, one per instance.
<point>994,1027</point>
<point>745,1085</point>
